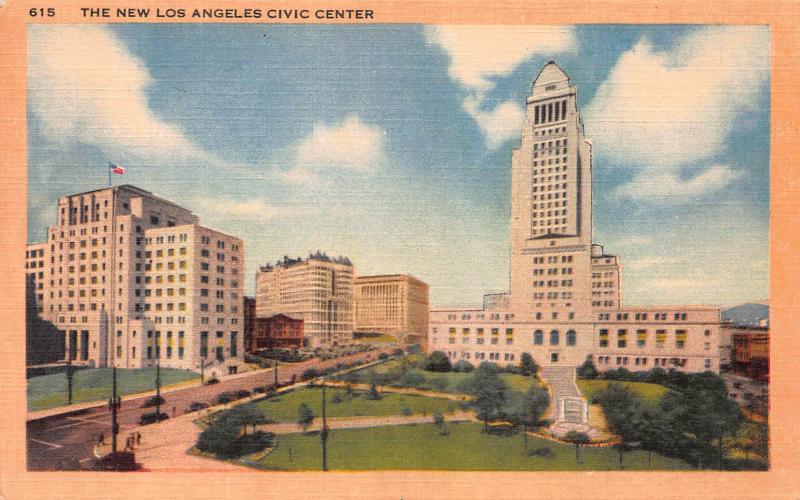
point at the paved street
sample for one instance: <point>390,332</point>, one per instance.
<point>66,441</point>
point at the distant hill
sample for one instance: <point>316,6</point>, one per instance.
<point>746,314</point>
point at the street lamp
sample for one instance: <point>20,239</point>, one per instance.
<point>114,405</point>
<point>324,431</point>
<point>69,376</point>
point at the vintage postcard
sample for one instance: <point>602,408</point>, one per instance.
<point>349,241</point>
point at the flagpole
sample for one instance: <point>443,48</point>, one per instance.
<point>109,174</point>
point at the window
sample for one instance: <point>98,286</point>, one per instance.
<point>680,339</point>
<point>641,338</point>
<point>571,337</point>
<point>554,337</point>
<point>622,338</point>
<point>604,338</point>
<point>538,337</point>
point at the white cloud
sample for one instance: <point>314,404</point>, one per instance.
<point>662,110</point>
<point>480,54</point>
<point>653,261</point>
<point>86,86</point>
<point>667,186</point>
<point>499,125</point>
<point>350,145</point>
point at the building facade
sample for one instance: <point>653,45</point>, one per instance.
<point>276,331</point>
<point>318,290</point>
<point>565,294</point>
<point>249,321</point>
<point>750,356</point>
<point>133,279</point>
<point>394,304</point>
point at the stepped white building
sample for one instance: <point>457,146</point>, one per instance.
<point>564,300</point>
<point>131,278</point>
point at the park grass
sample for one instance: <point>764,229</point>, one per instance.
<point>451,380</point>
<point>94,384</point>
<point>465,447</point>
<point>284,407</point>
<point>649,393</point>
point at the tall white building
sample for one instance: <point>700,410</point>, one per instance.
<point>132,278</point>
<point>564,301</point>
<point>318,290</point>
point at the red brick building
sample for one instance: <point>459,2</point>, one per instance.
<point>279,330</point>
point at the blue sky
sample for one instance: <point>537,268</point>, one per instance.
<point>391,144</point>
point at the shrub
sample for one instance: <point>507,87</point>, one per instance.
<point>527,366</point>
<point>373,393</point>
<point>587,370</point>
<point>463,367</point>
<point>383,356</point>
<point>406,411</point>
<point>511,368</point>
<point>398,352</point>
<point>244,393</point>
<point>438,362</point>
<point>336,399</point>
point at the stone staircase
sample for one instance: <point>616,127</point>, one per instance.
<point>569,411</point>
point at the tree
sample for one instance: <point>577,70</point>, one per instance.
<point>438,421</point>
<point>249,415</point>
<point>490,393</point>
<point>373,393</point>
<point>587,370</point>
<point>526,410</point>
<point>577,438</point>
<point>527,366</point>
<point>305,416</point>
<point>438,362</point>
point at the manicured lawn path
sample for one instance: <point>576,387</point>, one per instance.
<point>94,384</point>
<point>283,408</point>
<point>650,393</point>
<point>421,447</point>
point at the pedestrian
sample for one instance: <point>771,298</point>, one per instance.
<point>127,444</point>
<point>173,411</point>
<point>109,404</point>
<point>101,439</point>
<point>138,438</point>
<point>119,402</point>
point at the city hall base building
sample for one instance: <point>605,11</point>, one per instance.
<point>564,300</point>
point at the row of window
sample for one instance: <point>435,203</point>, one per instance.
<point>550,112</point>
<point>642,316</point>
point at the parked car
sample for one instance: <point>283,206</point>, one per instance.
<point>153,401</point>
<point>213,380</point>
<point>225,397</point>
<point>196,406</point>
<point>244,393</point>
<point>151,418</point>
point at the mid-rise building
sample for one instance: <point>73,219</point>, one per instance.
<point>565,296</point>
<point>134,279</point>
<point>317,289</point>
<point>393,304</point>
<point>496,301</point>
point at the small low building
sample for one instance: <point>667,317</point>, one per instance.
<point>751,352</point>
<point>275,331</point>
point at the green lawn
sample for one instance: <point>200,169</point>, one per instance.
<point>421,447</point>
<point>283,408</point>
<point>650,393</point>
<point>445,382</point>
<point>94,384</point>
